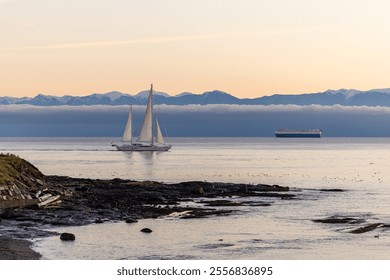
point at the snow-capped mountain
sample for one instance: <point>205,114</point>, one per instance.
<point>345,97</point>
<point>144,94</point>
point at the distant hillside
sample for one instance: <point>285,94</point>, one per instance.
<point>345,97</point>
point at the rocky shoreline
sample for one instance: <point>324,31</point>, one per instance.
<point>79,202</point>
<point>86,201</point>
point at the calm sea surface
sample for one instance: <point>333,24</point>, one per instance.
<point>360,166</point>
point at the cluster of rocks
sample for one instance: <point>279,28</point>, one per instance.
<point>120,200</point>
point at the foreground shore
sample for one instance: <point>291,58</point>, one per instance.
<point>86,201</point>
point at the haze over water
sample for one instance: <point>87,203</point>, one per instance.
<point>283,230</point>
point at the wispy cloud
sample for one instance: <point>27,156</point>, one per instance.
<point>122,42</point>
<point>29,25</point>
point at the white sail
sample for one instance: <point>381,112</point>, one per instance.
<point>145,139</point>
<point>127,135</point>
<point>146,134</point>
<point>159,137</point>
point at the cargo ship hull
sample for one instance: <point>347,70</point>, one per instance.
<point>285,133</point>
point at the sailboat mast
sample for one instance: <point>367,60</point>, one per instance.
<point>131,124</point>
<point>151,107</point>
<point>146,134</point>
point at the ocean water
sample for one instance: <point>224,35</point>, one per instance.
<point>285,230</point>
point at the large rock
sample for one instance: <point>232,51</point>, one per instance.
<point>67,236</point>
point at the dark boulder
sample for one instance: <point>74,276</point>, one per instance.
<point>67,236</point>
<point>146,230</point>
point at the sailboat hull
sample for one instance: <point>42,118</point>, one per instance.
<point>142,148</point>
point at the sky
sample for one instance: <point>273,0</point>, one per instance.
<point>248,48</point>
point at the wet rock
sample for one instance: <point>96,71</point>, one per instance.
<point>67,236</point>
<point>268,188</point>
<point>26,224</point>
<point>131,221</point>
<point>339,220</point>
<point>387,226</point>
<point>244,189</point>
<point>200,191</point>
<point>204,213</point>
<point>215,246</point>
<point>99,221</point>
<point>274,194</point>
<point>146,230</point>
<point>254,204</point>
<point>155,198</point>
<point>366,228</point>
<point>217,203</point>
<point>331,190</point>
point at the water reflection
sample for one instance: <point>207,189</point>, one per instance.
<point>145,162</point>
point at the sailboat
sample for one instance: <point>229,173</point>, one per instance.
<point>146,140</point>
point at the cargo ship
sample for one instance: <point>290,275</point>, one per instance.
<point>299,133</point>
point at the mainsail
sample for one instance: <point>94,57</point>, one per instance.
<point>146,134</point>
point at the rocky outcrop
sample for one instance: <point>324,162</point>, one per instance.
<point>22,184</point>
<point>19,182</point>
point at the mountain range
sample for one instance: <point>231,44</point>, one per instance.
<point>345,97</point>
